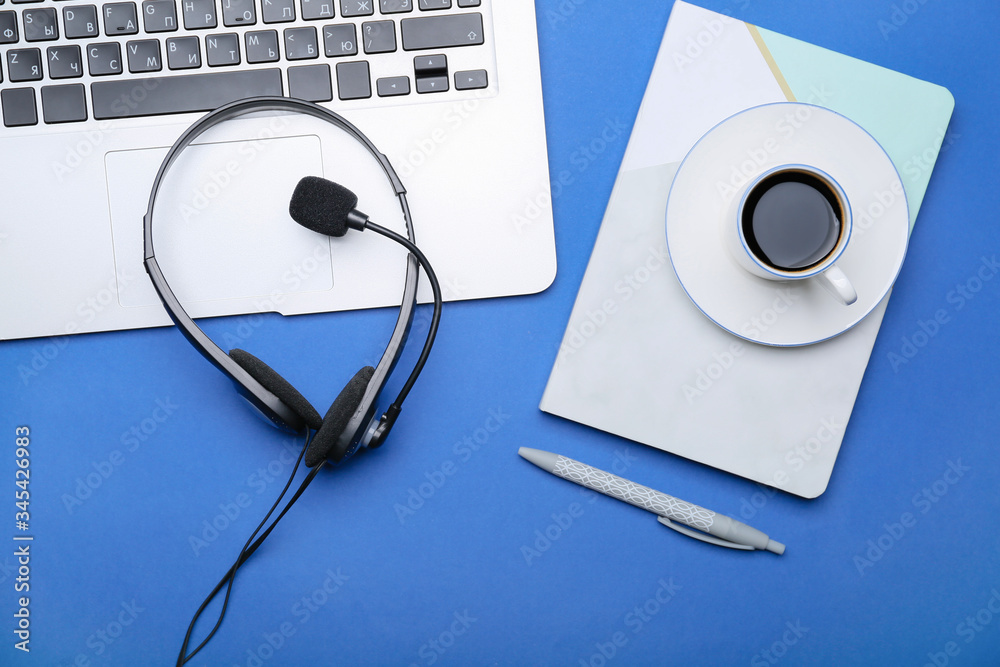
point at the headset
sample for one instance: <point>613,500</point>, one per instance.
<point>352,421</point>
<point>327,208</point>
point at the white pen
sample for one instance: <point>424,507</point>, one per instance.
<point>709,526</point>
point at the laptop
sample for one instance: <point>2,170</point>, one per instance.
<point>93,95</point>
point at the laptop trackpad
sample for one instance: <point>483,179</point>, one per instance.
<point>222,228</point>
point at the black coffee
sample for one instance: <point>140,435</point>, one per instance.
<point>792,220</point>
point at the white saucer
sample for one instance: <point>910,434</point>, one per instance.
<point>736,151</point>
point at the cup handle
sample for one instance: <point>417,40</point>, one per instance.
<point>837,284</point>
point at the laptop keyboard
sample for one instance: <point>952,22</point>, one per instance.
<point>72,61</point>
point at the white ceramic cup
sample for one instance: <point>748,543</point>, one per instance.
<point>750,256</point>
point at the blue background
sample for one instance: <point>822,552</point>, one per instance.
<point>466,578</point>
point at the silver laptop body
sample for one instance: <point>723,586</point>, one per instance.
<point>467,140</point>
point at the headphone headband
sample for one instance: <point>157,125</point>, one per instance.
<point>263,400</point>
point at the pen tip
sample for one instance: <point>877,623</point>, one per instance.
<point>775,547</point>
<point>544,460</point>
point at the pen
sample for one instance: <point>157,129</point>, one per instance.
<point>709,526</point>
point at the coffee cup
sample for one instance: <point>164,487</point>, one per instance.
<point>793,222</point>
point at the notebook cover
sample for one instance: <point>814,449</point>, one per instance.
<point>638,359</point>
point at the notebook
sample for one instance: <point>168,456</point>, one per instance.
<point>92,95</point>
<point>639,359</point>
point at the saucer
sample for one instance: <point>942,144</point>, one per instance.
<point>733,154</point>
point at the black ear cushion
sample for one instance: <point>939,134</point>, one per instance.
<point>278,386</point>
<point>325,441</point>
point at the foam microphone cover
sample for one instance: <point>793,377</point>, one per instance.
<point>325,441</point>
<point>277,385</point>
<point>322,205</point>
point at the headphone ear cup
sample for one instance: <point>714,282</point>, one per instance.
<point>324,444</point>
<point>277,385</point>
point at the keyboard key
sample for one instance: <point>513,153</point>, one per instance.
<point>310,82</point>
<point>430,65</point>
<point>65,62</point>
<point>391,86</point>
<point>183,53</point>
<point>432,84</point>
<point>8,27</point>
<point>350,8</point>
<point>103,59</point>
<point>120,19</point>
<point>18,107</point>
<point>380,36</point>
<point>431,5</point>
<point>180,93</point>
<point>199,14</point>
<point>24,64</point>
<point>313,10</point>
<point>80,21</point>
<point>223,50</point>
<point>262,46</point>
<point>143,56</point>
<point>468,3</point>
<point>300,43</point>
<point>278,11</point>
<point>470,79</point>
<point>238,12</point>
<point>159,15</point>
<point>353,82</point>
<point>40,24</point>
<point>64,104</point>
<point>435,32</point>
<point>339,40</point>
<point>395,7</point>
